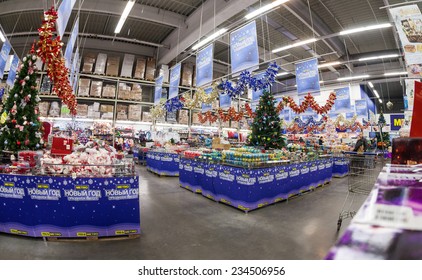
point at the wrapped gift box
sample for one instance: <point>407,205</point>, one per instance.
<point>127,67</point>
<point>89,62</point>
<point>109,91</point>
<point>146,117</point>
<point>101,63</point>
<point>43,108</point>
<point>61,146</point>
<point>121,112</point>
<point>96,88</point>
<point>84,86</point>
<point>150,69</point>
<point>135,112</point>
<point>140,68</point>
<point>113,66</point>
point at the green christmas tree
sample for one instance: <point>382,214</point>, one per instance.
<point>383,137</point>
<point>20,128</point>
<point>266,127</point>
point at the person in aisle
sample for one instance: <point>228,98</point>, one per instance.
<point>373,145</point>
<point>301,141</point>
<point>361,144</point>
<point>321,141</point>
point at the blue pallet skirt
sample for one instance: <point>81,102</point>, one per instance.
<point>163,164</point>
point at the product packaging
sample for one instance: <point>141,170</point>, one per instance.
<point>127,67</point>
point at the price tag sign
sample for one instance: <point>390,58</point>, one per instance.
<point>394,216</point>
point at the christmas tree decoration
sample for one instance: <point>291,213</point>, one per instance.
<point>16,134</point>
<point>50,52</point>
<point>266,127</point>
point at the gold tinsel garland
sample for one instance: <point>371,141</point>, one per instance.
<point>158,110</point>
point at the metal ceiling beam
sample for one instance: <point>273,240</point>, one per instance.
<point>183,37</point>
<point>140,12</point>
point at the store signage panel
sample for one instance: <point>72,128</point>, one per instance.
<point>207,107</point>
<point>4,55</point>
<point>342,102</point>
<point>244,52</point>
<point>204,65</point>
<point>307,77</point>
<point>361,109</point>
<point>396,121</point>
<point>158,89</point>
<point>256,94</point>
<point>225,101</point>
<point>71,44</point>
<point>63,15</point>
<point>174,81</point>
<point>12,72</point>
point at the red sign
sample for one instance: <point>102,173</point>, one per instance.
<point>416,128</point>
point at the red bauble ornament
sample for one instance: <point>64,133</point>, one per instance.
<point>18,142</point>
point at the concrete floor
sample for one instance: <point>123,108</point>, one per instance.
<point>178,224</point>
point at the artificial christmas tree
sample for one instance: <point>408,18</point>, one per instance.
<point>266,127</point>
<point>20,128</point>
<point>383,138</point>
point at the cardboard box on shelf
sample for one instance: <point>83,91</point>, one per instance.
<point>140,67</point>
<point>101,63</point>
<point>96,107</point>
<point>121,112</point>
<point>84,85</point>
<point>96,88</point>
<point>43,108</point>
<point>146,117</point>
<point>45,88</point>
<point>107,116</point>
<point>194,76</point>
<point>134,112</point>
<point>150,69</point>
<point>96,115</point>
<point>113,66</point>
<point>104,108</point>
<point>89,62</point>
<point>136,93</point>
<point>195,118</point>
<point>187,73</point>
<point>164,71</point>
<point>82,111</point>
<point>124,91</point>
<point>127,67</point>
<point>54,110</point>
<point>109,91</point>
<point>184,117</point>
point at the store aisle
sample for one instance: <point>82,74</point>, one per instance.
<point>178,224</point>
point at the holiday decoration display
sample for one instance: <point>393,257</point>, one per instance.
<point>20,127</point>
<point>191,102</point>
<point>266,127</point>
<point>249,111</point>
<point>231,115</point>
<point>173,104</point>
<point>311,125</point>
<point>208,116</point>
<point>158,111</point>
<point>49,50</point>
<point>309,102</point>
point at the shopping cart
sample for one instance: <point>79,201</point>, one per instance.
<point>364,169</point>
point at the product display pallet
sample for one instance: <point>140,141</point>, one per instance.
<point>93,238</point>
<point>161,174</point>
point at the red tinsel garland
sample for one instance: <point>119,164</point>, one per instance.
<point>208,116</point>
<point>49,50</point>
<point>309,101</point>
<point>249,111</point>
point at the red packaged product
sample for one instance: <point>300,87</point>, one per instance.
<point>61,146</point>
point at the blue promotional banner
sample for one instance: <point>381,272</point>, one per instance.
<point>158,89</point>
<point>351,113</point>
<point>257,94</point>
<point>396,121</point>
<point>253,106</point>
<point>71,44</point>
<point>12,72</point>
<point>286,115</point>
<point>361,109</point>
<point>63,14</point>
<point>307,76</point>
<point>207,107</point>
<point>204,66</point>
<point>225,101</point>
<point>174,81</point>
<point>75,69</point>
<point>4,55</point>
<point>342,102</point>
<point>244,48</point>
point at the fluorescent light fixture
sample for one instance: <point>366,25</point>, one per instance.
<point>376,93</point>
<point>2,38</point>
<point>365,28</point>
<point>301,43</point>
<point>321,82</point>
<point>353,78</point>
<point>329,64</point>
<point>209,38</point>
<point>395,74</point>
<point>378,57</point>
<point>265,8</point>
<point>380,101</point>
<point>371,85</point>
<point>282,74</point>
<point>123,17</point>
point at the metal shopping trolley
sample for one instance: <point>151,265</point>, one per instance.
<point>364,169</point>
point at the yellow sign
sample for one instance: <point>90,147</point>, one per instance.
<point>3,118</point>
<point>81,187</point>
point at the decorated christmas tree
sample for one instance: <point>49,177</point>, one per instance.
<point>383,138</point>
<point>266,127</point>
<point>20,128</point>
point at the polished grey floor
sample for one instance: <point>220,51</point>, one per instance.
<point>178,224</point>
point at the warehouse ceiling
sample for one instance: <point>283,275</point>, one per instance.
<point>167,29</point>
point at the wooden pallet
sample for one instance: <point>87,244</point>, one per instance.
<point>93,238</point>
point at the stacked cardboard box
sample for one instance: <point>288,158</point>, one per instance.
<point>124,91</point>
<point>150,69</point>
<point>113,66</point>
<point>100,66</point>
<point>43,108</point>
<point>187,73</point>
<point>89,62</point>
<point>127,67</point>
<point>183,117</point>
<point>135,112</point>
<point>54,110</point>
<point>136,93</point>
<point>106,111</point>
<point>82,110</point>
<point>93,111</point>
<point>96,88</point>
<point>146,117</point>
<point>45,88</point>
<point>121,112</point>
<point>140,68</point>
<point>84,85</point>
<point>195,118</point>
<point>109,91</point>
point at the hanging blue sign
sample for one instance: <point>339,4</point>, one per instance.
<point>63,15</point>
<point>174,81</point>
<point>307,76</point>
<point>257,94</point>
<point>74,68</point>
<point>204,66</point>
<point>12,72</point>
<point>244,48</point>
<point>286,115</point>
<point>158,89</point>
<point>71,44</point>
<point>361,108</point>
<point>5,50</point>
<point>225,101</point>
<point>342,102</point>
<point>351,113</point>
<point>206,107</point>
<point>396,121</point>
<point>253,106</point>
